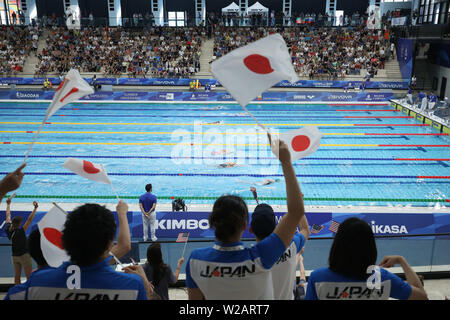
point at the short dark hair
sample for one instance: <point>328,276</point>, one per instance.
<point>229,215</point>
<point>353,249</point>
<point>148,187</point>
<point>34,248</point>
<point>87,232</point>
<point>16,221</point>
<point>263,221</point>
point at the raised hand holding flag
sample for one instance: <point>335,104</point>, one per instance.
<point>71,89</point>
<point>300,142</point>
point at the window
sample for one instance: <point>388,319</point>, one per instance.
<point>6,13</point>
<point>433,11</point>
<point>176,19</point>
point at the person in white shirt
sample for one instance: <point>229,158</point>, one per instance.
<point>262,224</point>
<point>228,270</point>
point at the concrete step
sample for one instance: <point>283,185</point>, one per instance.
<point>30,65</point>
<point>205,58</point>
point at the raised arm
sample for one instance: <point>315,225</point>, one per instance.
<point>304,226</point>
<point>287,226</point>
<point>31,216</point>
<point>418,292</point>
<point>123,245</point>
<point>8,208</point>
<point>11,181</point>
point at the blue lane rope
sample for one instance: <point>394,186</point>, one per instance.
<point>236,117</point>
<point>232,175</point>
<point>217,157</point>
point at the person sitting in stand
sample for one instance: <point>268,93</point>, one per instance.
<point>47,84</point>
<point>352,264</point>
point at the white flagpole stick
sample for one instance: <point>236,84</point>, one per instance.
<point>56,205</point>
<point>115,192</point>
<point>259,124</point>
<point>34,140</point>
<point>185,245</point>
<point>117,260</point>
<point>112,187</point>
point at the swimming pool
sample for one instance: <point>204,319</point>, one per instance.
<point>369,154</point>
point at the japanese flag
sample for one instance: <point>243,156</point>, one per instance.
<point>301,142</point>
<point>87,169</point>
<point>51,226</point>
<point>248,71</point>
<point>71,89</point>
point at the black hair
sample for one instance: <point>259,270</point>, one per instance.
<point>148,187</point>
<point>353,249</point>
<point>16,222</point>
<point>229,215</point>
<point>34,248</point>
<point>88,231</point>
<point>154,258</point>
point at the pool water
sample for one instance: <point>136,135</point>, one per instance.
<point>369,154</point>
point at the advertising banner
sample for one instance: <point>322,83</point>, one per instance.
<point>199,96</point>
<point>213,82</point>
<point>322,224</point>
<point>404,57</point>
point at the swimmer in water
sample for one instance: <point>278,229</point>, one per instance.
<point>228,165</point>
<point>216,122</point>
<point>269,181</point>
<point>214,108</point>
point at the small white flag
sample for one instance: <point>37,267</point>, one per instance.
<point>71,89</point>
<point>248,71</point>
<point>51,226</point>
<point>301,142</point>
<point>87,170</point>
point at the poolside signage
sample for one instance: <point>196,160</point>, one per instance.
<point>269,96</point>
<point>170,224</point>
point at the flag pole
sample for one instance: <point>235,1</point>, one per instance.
<point>251,115</point>
<point>112,187</point>
<point>117,260</point>
<point>115,192</point>
<point>34,140</point>
<point>56,205</point>
<point>185,245</point>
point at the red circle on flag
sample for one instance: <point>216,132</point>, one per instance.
<point>258,64</point>
<point>300,143</point>
<point>89,167</point>
<point>54,237</point>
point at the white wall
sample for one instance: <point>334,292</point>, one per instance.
<point>439,72</point>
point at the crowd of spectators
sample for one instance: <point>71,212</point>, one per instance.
<point>317,53</point>
<point>159,51</point>
<point>278,18</point>
<point>16,44</point>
